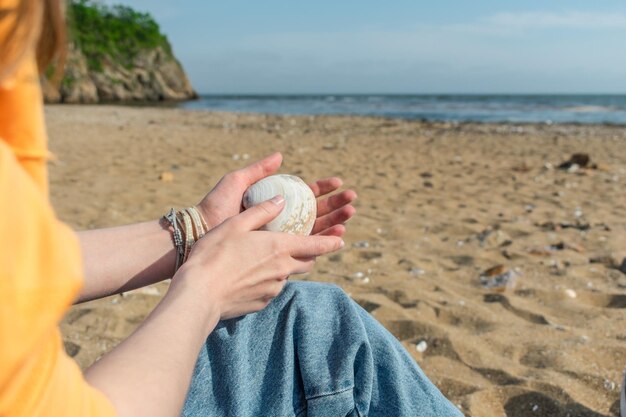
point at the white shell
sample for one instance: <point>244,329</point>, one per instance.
<point>298,215</point>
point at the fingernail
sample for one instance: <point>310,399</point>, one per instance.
<point>342,244</point>
<point>278,200</point>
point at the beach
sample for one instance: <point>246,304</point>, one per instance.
<point>501,274</point>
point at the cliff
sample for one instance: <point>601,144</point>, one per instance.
<point>117,54</point>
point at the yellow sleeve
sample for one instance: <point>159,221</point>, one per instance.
<point>22,125</point>
<point>40,275</point>
<point>40,263</point>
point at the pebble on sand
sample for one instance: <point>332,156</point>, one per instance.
<point>359,277</point>
<point>570,293</point>
<point>421,346</point>
<point>498,278</point>
<point>576,161</point>
<point>166,176</point>
<point>416,272</point>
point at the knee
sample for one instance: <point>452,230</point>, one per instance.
<point>314,298</point>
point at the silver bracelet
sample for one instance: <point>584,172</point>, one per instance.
<point>177,236</point>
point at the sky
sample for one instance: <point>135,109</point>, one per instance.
<point>397,46</point>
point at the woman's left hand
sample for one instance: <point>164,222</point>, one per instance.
<point>224,201</point>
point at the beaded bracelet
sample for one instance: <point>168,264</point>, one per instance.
<point>176,236</point>
<point>188,227</point>
<point>200,227</point>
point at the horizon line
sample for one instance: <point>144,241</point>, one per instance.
<point>409,94</point>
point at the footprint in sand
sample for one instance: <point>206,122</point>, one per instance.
<point>541,357</point>
<point>534,403</point>
<point>409,329</point>
<point>521,313</point>
<point>474,323</point>
<point>498,376</point>
<point>603,300</point>
<point>400,297</point>
<point>438,346</point>
<point>414,332</point>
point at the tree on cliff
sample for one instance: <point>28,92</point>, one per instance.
<point>112,32</point>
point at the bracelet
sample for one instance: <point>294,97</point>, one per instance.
<point>188,226</point>
<point>200,227</point>
<point>177,237</point>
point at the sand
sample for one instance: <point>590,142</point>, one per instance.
<point>438,204</point>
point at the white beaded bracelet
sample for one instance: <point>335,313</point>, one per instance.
<point>188,227</point>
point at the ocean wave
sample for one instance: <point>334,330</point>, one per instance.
<point>590,109</point>
<point>596,109</point>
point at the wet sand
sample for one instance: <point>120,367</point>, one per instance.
<point>438,205</point>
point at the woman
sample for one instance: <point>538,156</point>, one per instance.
<point>311,352</point>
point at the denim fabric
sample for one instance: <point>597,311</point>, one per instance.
<point>312,352</point>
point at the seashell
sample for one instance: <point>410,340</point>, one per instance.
<point>499,278</point>
<point>298,215</point>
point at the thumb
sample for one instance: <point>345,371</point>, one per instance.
<point>260,169</point>
<point>257,216</point>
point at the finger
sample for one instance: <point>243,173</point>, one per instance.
<point>273,289</point>
<point>338,216</point>
<point>257,216</point>
<point>302,266</point>
<point>334,202</point>
<point>311,246</point>
<point>259,170</point>
<point>337,230</point>
<point>259,305</point>
<point>267,289</point>
<point>325,186</point>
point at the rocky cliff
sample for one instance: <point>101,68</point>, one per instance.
<point>154,76</point>
<point>117,54</point>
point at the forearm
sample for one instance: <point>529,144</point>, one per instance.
<point>149,373</point>
<point>123,258</point>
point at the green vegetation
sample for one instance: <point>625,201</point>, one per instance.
<point>68,81</point>
<point>116,33</point>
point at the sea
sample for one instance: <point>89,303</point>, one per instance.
<point>549,109</point>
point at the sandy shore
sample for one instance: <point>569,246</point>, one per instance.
<point>438,205</point>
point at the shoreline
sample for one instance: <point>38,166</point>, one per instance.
<point>174,105</point>
<point>438,206</point>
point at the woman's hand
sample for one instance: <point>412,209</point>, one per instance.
<point>128,257</point>
<point>224,201</point>
<point>238,269</point>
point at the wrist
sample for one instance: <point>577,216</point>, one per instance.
<point>206,216</point>
<point>183,289</point>
<point>186,226</point>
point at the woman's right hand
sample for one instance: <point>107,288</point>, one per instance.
<point>239,269</point>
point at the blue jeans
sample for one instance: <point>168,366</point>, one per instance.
<point>312,352</point>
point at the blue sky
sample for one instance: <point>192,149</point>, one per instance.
<point>397,46</point>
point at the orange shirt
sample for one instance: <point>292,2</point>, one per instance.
<point>40,268</point>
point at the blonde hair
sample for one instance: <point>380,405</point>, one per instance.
<point>33,23</point>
